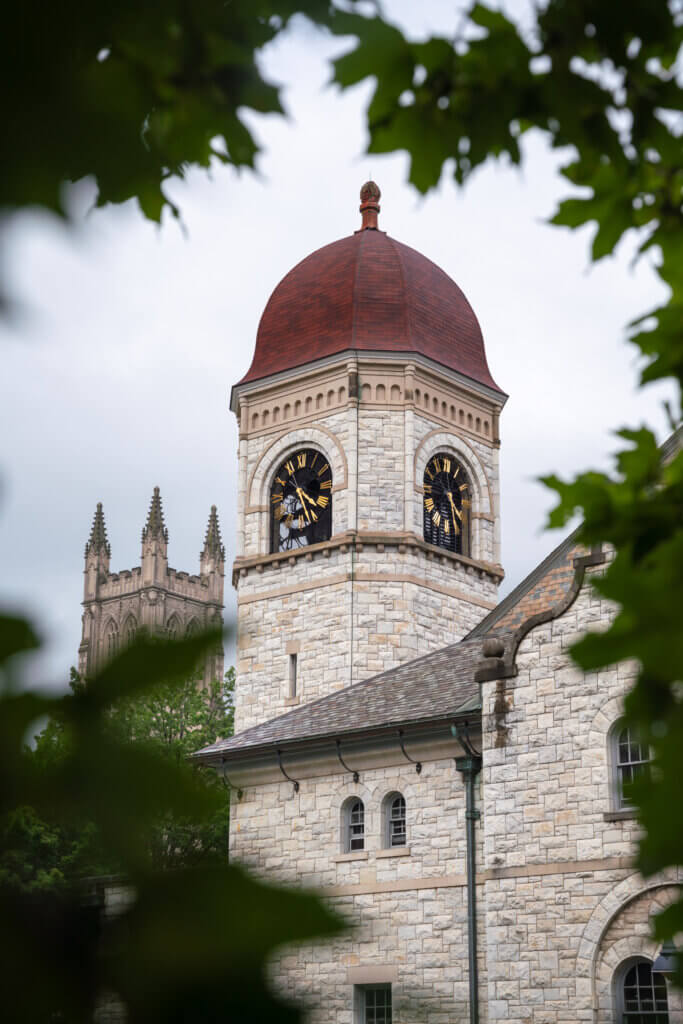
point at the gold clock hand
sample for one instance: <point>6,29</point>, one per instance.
<point>303,503</point>
<point>450,498</point>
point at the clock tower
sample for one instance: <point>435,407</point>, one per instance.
<point>368,508</point>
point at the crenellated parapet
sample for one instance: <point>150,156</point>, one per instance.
<point>151,596</point>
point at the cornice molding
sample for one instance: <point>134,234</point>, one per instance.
<point>357,540</point>
<point>402,359</point>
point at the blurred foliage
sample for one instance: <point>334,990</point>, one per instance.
<point>192,942</point>
<point>133,93</point>
<point>172,720</point>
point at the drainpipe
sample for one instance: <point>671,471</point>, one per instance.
<point>469,767</point>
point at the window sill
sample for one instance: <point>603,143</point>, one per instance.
<point>396,851</point>
<point>354,855</point>
<point>291,701</point>
<point>624,814</point>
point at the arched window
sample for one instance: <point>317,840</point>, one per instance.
<point>301,501</point>
<point>641,994</point>
<point>394,807</point>
<point>353,825</point>
<point>130,628</point>
<point>193,628</point>
<point>173,628</point>
<point>111,639</point>
<point>446,504</point>
<point>630,759</point>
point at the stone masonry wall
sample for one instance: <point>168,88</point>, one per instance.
<point>407,907</point>
<point>348,616</point>
<point>553,845</point>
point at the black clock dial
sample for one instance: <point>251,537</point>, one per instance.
<point>446,504</point>
<point>301,501</point>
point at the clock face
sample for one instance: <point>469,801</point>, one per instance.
<point>446,504</point>
<point>301,501</point>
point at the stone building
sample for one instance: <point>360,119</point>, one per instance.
<point>152,595</point>
<point>426,757</point>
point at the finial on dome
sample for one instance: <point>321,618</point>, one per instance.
<point>369,205</point>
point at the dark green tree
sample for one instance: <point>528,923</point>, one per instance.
<point>171,720</point>
<point>193,942</point>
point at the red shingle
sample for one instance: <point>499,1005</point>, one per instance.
<point>370,293</point>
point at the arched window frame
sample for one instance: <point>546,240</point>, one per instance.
<point>394,821</point>
<point>174,629</point>
<point>286,454</point>
<point>629,999</point>
<point>111,639</point>
<point>622,768</point>
<point>353,825</point>
<point>130,628</point>
<point>462,541</point>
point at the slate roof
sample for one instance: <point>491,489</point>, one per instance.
<point>430,688</point>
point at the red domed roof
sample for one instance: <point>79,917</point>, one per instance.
<point>368,293</point>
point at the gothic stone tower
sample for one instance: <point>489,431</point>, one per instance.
<point>368,473</point>
<point>150,596</point>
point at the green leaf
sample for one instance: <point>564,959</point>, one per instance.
<point>17,636</point>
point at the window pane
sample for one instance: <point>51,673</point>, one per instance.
<point>397,822</point>
<point>377,1005</point>
<point>357,826</point>
<point>644,996</point>
<point>633,758</point>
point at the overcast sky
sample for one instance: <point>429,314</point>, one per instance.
<point>117,376</point>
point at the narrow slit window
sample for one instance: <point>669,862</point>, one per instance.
<point>292,675</point>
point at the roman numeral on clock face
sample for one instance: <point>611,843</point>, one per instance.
<point>429,504</point>
<point>301,460</point>
<point>289,466</point>
<point>323,501</point>
<point>276,498</point>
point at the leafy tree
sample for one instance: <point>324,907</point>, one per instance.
<point>600,78</point>
<point>171,720</point>
<point>193,942</point>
